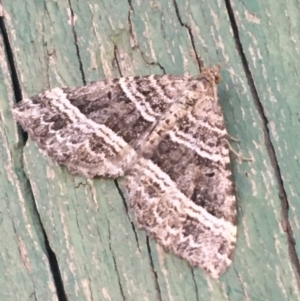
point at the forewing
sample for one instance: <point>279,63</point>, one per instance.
<point>94,130</point>
<point>181,190</point>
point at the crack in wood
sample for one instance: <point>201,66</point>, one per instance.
<point>76,44</point>
<point>198,58</point>
<point>53,263</point>
<point>269,145</point>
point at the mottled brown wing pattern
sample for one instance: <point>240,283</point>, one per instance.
<point>181,189</point>
<point>176,222</point>
<point>93,130</point>
<point>166,134</point>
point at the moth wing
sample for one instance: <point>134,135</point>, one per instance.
<point>176,222</point>
<point>180,189</point>
<point>94,130</point>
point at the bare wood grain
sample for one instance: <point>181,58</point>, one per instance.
<point>25,273</point>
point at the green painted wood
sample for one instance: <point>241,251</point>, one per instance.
<point>24,266</point>
<point>101,255</point>
<point>272,52</point>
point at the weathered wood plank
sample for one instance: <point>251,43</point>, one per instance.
<point>101,256</point>
<point>271,39</point>
<point>24,267</point>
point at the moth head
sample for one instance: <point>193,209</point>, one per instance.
<point>212,74</point>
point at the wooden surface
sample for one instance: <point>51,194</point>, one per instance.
<point>68,238</point>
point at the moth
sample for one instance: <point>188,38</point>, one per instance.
<point>166,135</point>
